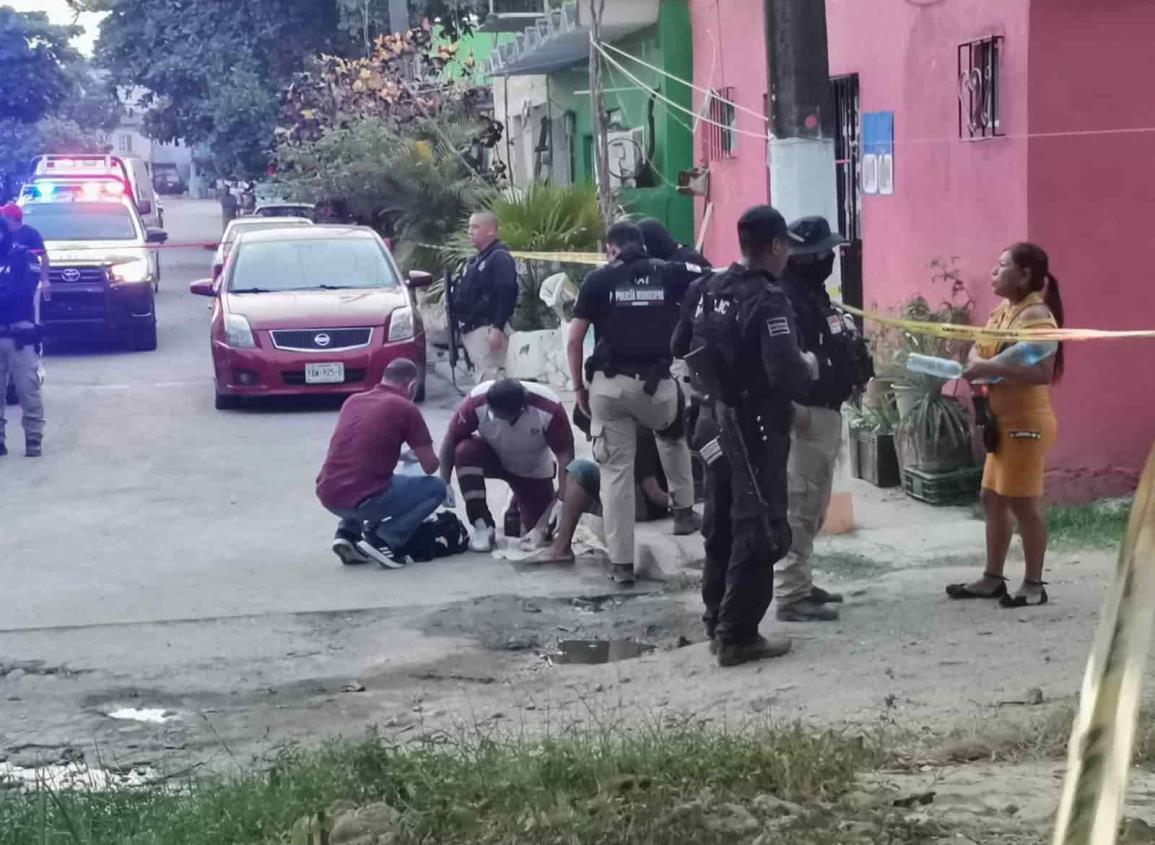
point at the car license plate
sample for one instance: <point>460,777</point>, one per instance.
<point>324,373</point>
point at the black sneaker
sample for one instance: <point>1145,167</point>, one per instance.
<point>759,648</point>
<point>345,547</point>
<point>378,550</point>
<point>33,447</point>
<point>623,573</point>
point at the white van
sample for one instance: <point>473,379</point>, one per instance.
<point>135,173</point>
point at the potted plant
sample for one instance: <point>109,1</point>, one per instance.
<point>874,457</point>
<point>934,438</point>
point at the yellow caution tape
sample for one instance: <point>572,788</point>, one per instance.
<point>972,333</point>
<point>950,331</point>
<point>1102,737</point>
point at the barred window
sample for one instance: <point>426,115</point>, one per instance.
<point>979,93</point>
<point>721,137</point>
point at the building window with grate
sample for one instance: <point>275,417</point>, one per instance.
<point>124,143</point>
<point>980,90</point>
<point>721,136</point>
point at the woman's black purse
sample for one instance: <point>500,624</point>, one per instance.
<point>986,422</point>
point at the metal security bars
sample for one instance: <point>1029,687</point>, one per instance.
<point>721,141</point>
<point>979,92</point>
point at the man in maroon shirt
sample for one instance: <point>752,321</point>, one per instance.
<point>517,432</point>
<point>357,481</point>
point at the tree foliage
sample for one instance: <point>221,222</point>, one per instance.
<point>198,61</point>
<point>413,183</point>
<point>34,65</point>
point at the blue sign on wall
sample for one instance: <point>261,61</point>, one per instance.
<point>878,152</point>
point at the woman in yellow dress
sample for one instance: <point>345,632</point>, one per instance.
<point>1020,403</point>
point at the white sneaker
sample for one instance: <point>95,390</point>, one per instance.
<point>484,537</point>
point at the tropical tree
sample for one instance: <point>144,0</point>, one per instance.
<point>413,184</point>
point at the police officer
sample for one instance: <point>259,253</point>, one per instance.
<point>484,299</point>
<point>19,336</point>
<point>633,305</point>
<point>740,340</point>
<point>844,367</point>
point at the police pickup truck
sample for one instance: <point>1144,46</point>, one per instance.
<point>102,271</point>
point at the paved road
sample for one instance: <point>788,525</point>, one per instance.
<point>150,505</point>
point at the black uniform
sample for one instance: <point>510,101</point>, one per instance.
<point>746,321</point>
<point>633,303</point>
<point>844,362</point>
<point>487,292</point>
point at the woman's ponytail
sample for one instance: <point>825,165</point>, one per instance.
<point>1033,258</point>
<point>1054,301</point>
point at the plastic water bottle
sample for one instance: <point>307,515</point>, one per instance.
<point>929,365</point>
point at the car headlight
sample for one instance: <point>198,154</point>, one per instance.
<point>401,324</point>
<point>238,333</point>
<point>136,270</point>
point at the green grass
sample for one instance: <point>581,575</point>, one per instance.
<point>664,785</point>
<point>1099,525</point>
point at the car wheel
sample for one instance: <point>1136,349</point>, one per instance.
<point>225,402</point>
<point>419,396</point>
<point>143,340</point>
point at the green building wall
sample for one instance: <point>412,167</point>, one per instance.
<point>666,45</point>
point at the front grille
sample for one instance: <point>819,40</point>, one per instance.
<point>296,378</point>
<point>73,305</point>
<point>77,275</point>
<point>306,340</point>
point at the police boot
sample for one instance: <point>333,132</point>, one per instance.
<point>686,522</point>
<point>807,610</point>
<point>759,648</point>
<point>821,596</point>
<point>33,447</point>
<point>3,449</point>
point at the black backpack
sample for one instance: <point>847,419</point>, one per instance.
<point>439,536</point>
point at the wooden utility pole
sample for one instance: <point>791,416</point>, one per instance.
<point>598,106</point>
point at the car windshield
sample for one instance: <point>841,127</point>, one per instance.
<point>312,264</point>
<point>81,221</point>
<point>256,226</point>
<point>283,211</point>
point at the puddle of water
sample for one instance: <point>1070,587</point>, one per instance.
<point>151,715</point>
<point>598,651</point>
<point>71,776</point>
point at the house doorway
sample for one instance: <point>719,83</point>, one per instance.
<point>847,158</point>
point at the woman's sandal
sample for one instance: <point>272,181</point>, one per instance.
<point>1007,600</point>
<point>963,591</point>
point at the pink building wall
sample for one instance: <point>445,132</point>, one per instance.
<point>735,28</point>
<point>1090,204</point>
<point>952,198</point>
<point>1084,198</point>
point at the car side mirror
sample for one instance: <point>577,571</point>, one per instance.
<point>420,279</point>
<point>144,206</point>
<point>203,287</point>
<point>210,247</point>
<point>157,236</point>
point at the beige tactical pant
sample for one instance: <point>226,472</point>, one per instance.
<point>24,367</point>
<point>814,444</point>
<point>488,361</point>
<point>618,406</point>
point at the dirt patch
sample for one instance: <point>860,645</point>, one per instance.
<point>512,623</point>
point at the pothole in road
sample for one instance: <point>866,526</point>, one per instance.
<point>512,623</point>
<point>592,652</point>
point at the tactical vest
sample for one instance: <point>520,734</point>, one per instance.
<point>636,334</point>
<point>726,323</point>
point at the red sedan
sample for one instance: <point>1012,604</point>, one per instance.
<point>310,309</point>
